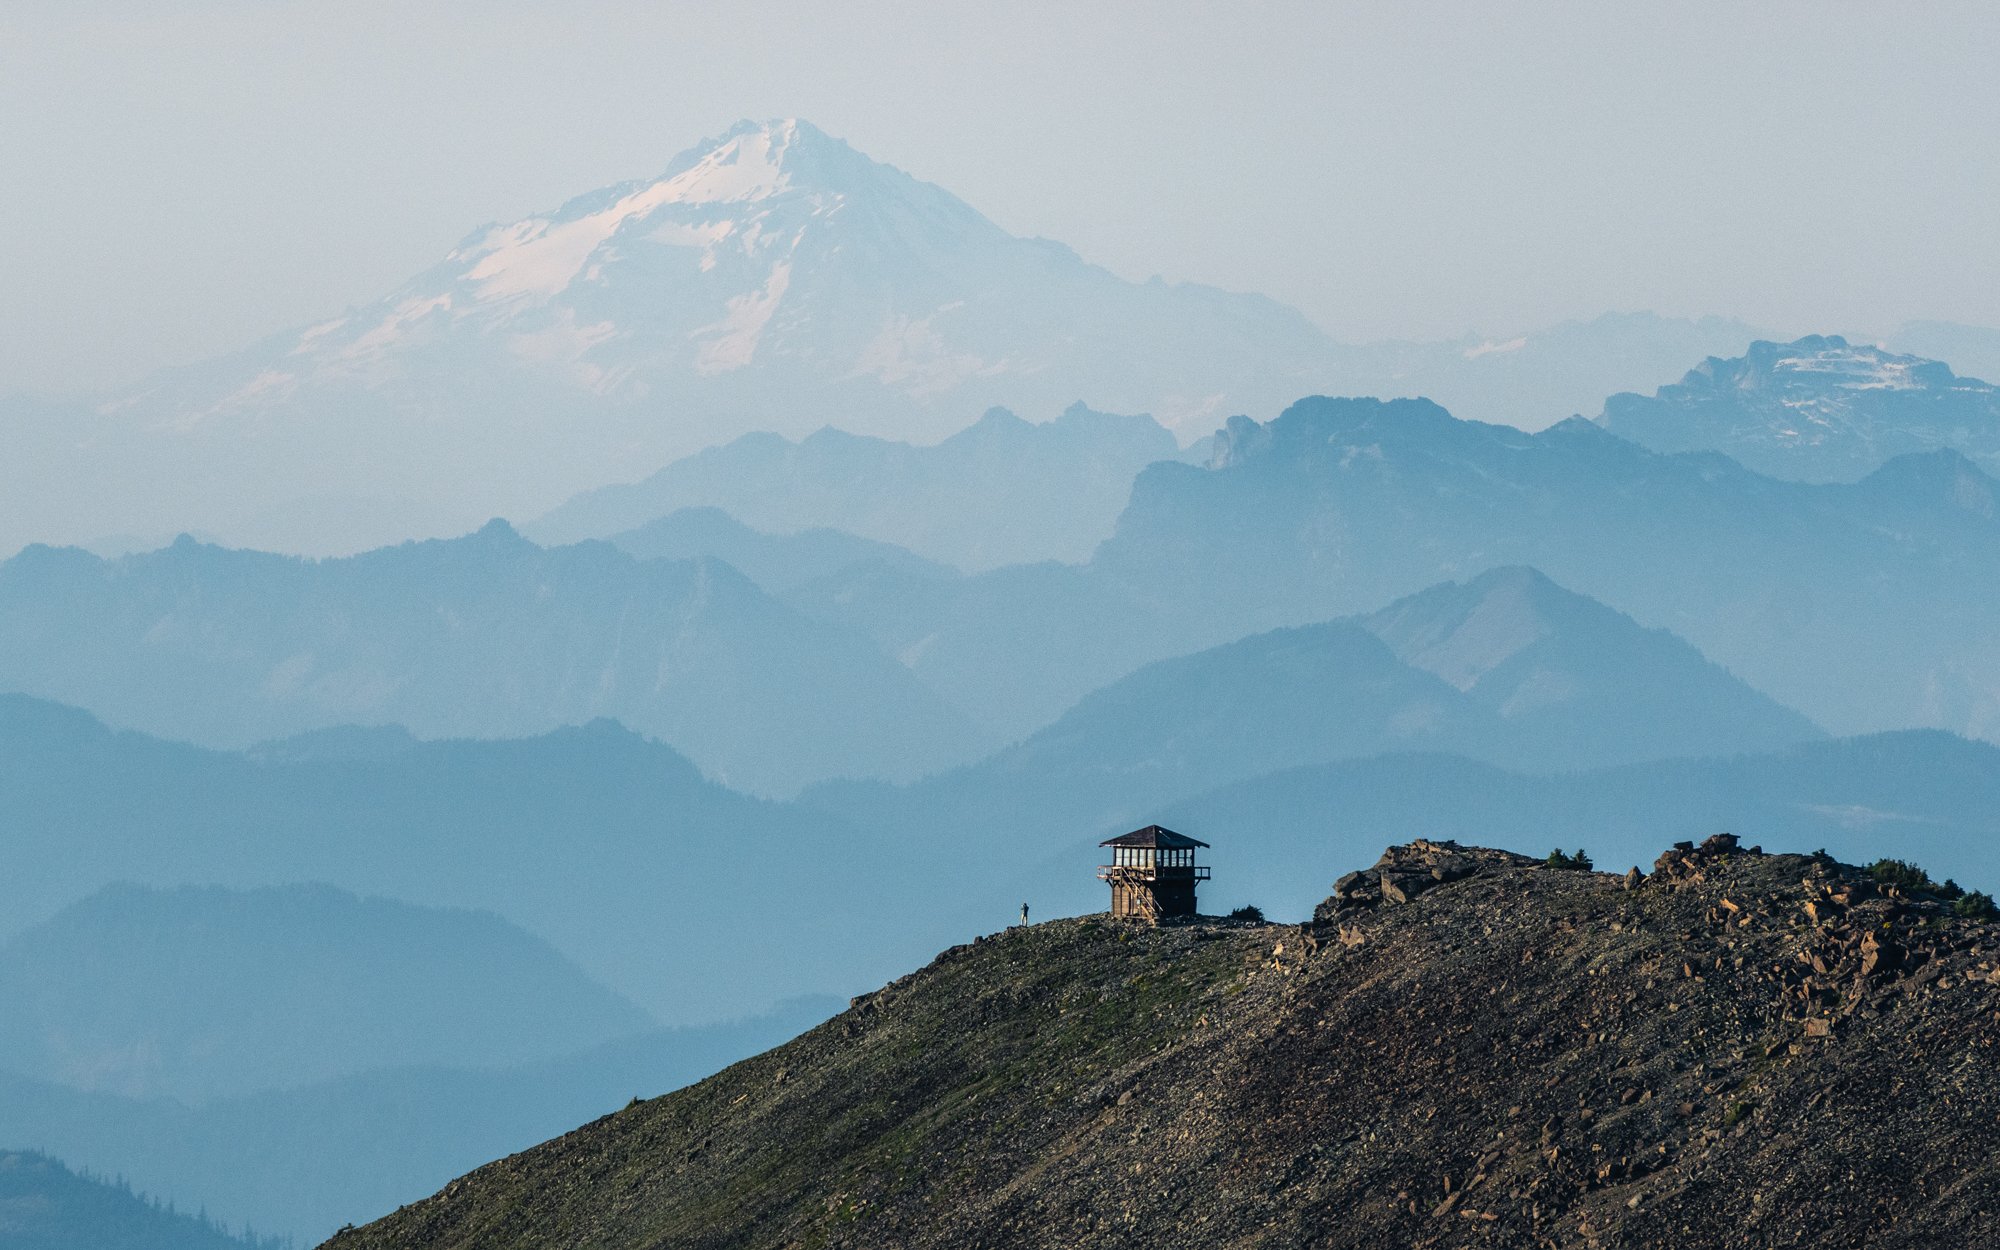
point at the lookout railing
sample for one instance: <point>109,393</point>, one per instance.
<point>1152,872</point>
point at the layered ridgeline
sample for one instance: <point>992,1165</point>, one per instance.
<point>1464,1048</point>
<point>1340,506</point>
<point>302,1160</point>
<point>660,884</point>
<point>1000,491</point>
<point>612,848</point>
<point>490,635</point>
<point>780,562</point>
<point>46,1206</point>
<point>1508,668</point>
<point>199,993</point>
<point>1820,409</point>
<point>770,278</point>
<point>481,636</point>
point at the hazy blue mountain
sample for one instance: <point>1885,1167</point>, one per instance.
<point>304,1161</point>
<point>1820,409</point>
<point>1341,501</point>
<point>45,1206</point>
<point>201,992</point>
<point>695,902</point>
<point>337,742</point>
<point>776,562</point>
<point>1339,506</point>
<point>1001,491</point>
<point>482,636</point>
<point>1014,647</point>
<point>1508,668</point>
<point>1183,725</point>
<point>769,278</point>
<point>1571,683</point>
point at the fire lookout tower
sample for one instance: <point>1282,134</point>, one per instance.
<point>1152,873</point>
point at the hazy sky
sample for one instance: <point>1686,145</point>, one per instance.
<point>183,178</point>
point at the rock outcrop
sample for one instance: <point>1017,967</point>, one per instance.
<point>1464,1047</point>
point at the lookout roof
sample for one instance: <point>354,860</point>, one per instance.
<point>1156,836</point>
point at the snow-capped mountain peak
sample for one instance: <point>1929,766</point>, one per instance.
<point>1819,408</point>
<point>709,196</point>
<point>771,278</point>
<point>748,164</point>
<point>1821,361</point>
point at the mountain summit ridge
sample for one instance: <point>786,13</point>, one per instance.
<point>1465,1047</point>
<point>1819,408</point>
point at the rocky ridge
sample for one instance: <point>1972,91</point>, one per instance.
<point>1820,409</point>
<point>1463,1047</point>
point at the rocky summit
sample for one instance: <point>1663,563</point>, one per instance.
<point>1463,1047</point>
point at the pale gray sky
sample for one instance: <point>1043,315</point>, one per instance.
<point>183,178</point>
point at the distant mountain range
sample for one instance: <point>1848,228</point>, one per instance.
<point>1508,668</point>
<point>772,278</point>
<point>198,993</point>
<point>769,279</point>
<point>679,894</point>
<point>1002,491</point>
<point>1567,683</point>
<point>45,1206</point>
<point>1804,591</point>
<point>778,562</point>
<point>872,663</point>
<point>482,636</point>
<point>1820,409</point>
<point>305,1160</point>
<point>1339,506</point>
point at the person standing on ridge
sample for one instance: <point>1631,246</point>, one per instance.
<point>1024,915</point>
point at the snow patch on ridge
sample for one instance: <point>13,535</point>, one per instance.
<point>542,256</point>
<point>732,342</point>
<point>910,353</point>
<point>1490,348</point>
<point>748,167</point>
<point>391,327</point>
<point>1856,368</point>
<point>562,343</point>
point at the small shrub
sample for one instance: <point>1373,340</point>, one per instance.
<point>1911,879</point>
<point>1975,905</point>
<point>1249,911</point>
<point>1579,862</point>
<point>1737,1113</point>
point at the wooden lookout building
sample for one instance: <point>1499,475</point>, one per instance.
<point>1152,873</point>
